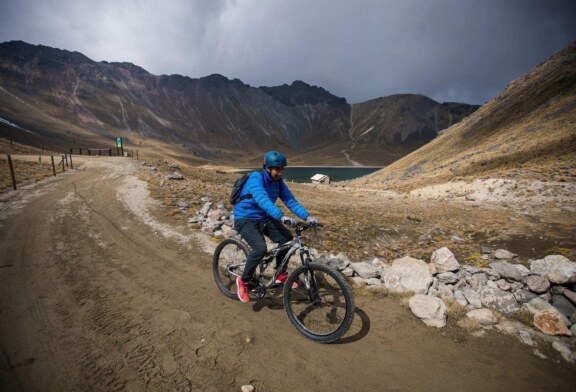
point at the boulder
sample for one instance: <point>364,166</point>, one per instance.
<point>570,295</point>
<point>482,316</point>
<point>526,338</point>
<point>503,285</point>
<point>347,272</point>
<point>378,263</point>
<point>537,284</point>
<point>563,305</point>
<point>365,270</point>
<point>522,296</point>
<point>502,301</point>
<point>447,277</point>
<point>373,282</point>
<point>444,260</point>
<point>473,297</point>
<point>557,268</point>
<point>460,298</point>
<point>502,254</point>
<point>477,280</point>
<point>338,263</point>
<point>564,351</point>
<point>551,322</point>
<point>445,292</point>
<point>535,305</point>
<point>507,270</point>
<point>408,275</point>
<point>431,310</point>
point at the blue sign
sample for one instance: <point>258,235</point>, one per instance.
<point>119,141</point>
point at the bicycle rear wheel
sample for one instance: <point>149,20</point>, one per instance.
<point>321,307</point>
<point>228,263</point>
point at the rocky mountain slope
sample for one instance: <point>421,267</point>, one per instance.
<point>63,99</point>
<point>527,132</point>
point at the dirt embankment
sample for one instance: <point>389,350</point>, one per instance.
<point>103,288</point>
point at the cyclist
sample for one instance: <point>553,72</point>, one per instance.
<point>256,215</point>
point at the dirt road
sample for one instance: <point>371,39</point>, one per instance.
<point>98,293</point>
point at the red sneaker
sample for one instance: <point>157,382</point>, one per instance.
<point>282,278</point>
<point>242,290</point>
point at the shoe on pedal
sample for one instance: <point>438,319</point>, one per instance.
<point>242,290</point>
<point>282,278</point>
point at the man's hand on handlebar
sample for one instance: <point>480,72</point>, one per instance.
<point>286,220</point>
<point>311,221</point>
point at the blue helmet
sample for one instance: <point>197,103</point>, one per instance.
<point>274,159</point>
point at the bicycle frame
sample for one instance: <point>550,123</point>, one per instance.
<point>293,246</point>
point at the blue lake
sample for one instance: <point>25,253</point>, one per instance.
<point>303,173</point>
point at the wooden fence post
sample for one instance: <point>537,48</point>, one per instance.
<point>66,157</point>
<point>136,154</point>
<point>63,168</point>
<point>53,167</point>
<point>71,164</point>
<point>12,172</point>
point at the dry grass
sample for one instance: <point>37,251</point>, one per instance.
<point>527,132</point>
<point>26,169</point>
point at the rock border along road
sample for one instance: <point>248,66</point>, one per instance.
<point>98,292</point>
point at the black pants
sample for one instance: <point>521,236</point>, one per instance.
<point>253,233</point>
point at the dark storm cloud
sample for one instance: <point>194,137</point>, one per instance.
<point>449,50</point>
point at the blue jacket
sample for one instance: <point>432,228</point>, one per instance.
<point>264,193</point>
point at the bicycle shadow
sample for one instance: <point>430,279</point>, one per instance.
<point>358,330</point>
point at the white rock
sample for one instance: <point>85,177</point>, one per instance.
<point>247,388</point>
<point>483,316</point>
<point>537,284</point>
<point>365,270</point>
<point>408,275</point>
<point>526,338</point>
<point>557,268</point>
<point>502,301</point>
<point>431,310</point>
<point>568,355</point>
<point>444,260</point>
<point>473,297</point>
<point>536,305</point>
<point>507,270</point>
<point>348,272</point>
<point>503,285</point>
<point>373,282</point>
<point>460,298</point>
<point>502,254</point>
<point>447,277</point>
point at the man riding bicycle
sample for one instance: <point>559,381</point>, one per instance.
<point>256,215</point>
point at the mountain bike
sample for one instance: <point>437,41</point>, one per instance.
<point>321,308</point>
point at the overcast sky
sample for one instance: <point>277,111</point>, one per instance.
<point>449,50</point>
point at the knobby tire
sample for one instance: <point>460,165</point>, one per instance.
<point>330,317</point>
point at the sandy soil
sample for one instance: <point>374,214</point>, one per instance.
<point>100,290</point>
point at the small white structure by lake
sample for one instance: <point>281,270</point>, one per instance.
<point>320,179</point>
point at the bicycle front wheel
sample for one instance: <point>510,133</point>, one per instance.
<point>228,263</point>
<point>321,307</point>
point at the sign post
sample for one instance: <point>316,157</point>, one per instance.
<point>119,146</point>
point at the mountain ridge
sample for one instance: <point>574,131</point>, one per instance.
<point>211,118</point>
